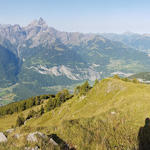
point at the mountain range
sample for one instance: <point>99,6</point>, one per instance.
<point>134,40</point>
<point>38,59</point>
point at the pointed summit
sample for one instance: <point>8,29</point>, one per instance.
<point>39,22</point>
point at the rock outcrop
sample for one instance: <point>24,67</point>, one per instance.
<point>3,138</point>
<point>33,137</point>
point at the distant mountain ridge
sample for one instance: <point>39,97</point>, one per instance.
<point>143,77</point>
<point>139,41</point>
<point>50,59</point>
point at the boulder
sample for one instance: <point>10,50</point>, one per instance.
<point>52,141</point>
<point>57,141</point>
<point>3,138</point>
<point>32,137</point>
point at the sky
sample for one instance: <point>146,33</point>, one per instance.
<point>87,16</point>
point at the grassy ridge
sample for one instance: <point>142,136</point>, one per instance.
<point>108,95</point>
<point>108,117</point>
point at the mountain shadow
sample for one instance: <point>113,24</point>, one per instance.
<point>9,67</point>
<point>144,136</point>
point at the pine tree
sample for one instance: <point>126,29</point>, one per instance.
<point>42,110</point>
<point>50,104</point>
<point>96,82</point>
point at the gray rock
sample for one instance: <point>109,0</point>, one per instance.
<point>32,137</point>
<point>3,138</point>
<point>17,136</point>
<point>10,130</point>
<point>32,148</point>
<point>53,142</point>
<point>26,121</point>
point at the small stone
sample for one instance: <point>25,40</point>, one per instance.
<point>17,136</point>
<point>10,130</point>
<point>113,113</point>
<point>32,148</point>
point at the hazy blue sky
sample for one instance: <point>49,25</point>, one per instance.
<point>80,15</point>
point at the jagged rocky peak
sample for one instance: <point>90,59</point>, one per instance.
<point>10,28</point>
<point>39,22</point>
<point>17,27</point>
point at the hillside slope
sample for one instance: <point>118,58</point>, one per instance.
<point>108,117</point>
<point>9,67</point>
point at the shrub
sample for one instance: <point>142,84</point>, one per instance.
<point>51,104</point>
<point>126,79</point>
<point>96,82</point>
<point>20,121</point>
<point>60,98</point>
<point>31,114</point>
<point>42,110</point>
<point>135,80</point>
<point>83,89</point>
<point>116,76</point>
